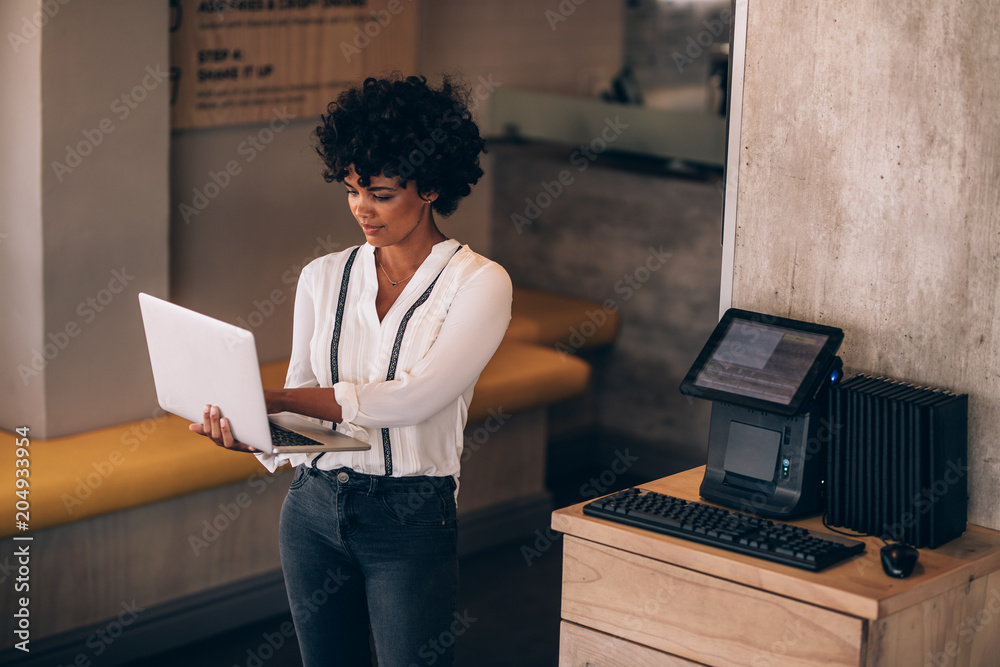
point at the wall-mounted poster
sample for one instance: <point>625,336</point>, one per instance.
<point>240,61</point>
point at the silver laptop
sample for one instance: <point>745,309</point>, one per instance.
<point>198,360</point>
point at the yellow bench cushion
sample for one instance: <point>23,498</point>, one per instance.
<point>119,467</point>
<point>564,321</point>
<point>522,376</point>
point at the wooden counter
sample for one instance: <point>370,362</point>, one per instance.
<point>634,597</point>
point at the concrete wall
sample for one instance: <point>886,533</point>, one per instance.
<point>523,47</point>
<point>646,243</point>
<point>237,255</point>
<point>869,193</point>
<point>98,233</point>
<point>20,216</point>
<point>493,44</point>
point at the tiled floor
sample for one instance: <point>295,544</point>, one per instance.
<point>512,604</point>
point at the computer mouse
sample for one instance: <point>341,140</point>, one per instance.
<point>898,560</point>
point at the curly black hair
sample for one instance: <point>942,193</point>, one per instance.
<point>401,127</point>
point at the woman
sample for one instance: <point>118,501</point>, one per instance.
<point>389,339</point>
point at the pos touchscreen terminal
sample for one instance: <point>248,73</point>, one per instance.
<point>766,377</point>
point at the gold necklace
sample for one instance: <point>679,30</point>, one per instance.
<point>394,282</point>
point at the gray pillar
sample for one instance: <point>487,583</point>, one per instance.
<point>85,211</point>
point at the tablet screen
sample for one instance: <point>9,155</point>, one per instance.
<point>756,360</point>
<point>760,361</point>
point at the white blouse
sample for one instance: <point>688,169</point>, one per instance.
<point>446,343</point>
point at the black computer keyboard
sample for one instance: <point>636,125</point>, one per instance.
<point>282,437</point>
<point>717,527</point>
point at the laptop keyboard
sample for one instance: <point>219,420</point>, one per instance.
<point>282,437</point>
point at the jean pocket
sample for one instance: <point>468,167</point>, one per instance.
<point>300,477</point>
<point>420,505</point>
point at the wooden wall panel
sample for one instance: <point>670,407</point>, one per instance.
<point>869,193</point>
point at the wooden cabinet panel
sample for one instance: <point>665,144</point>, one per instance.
<point>697,616</point>
<point>582,647</point>
<point>958,628</point>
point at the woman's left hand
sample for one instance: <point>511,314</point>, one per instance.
<point>216,427</point>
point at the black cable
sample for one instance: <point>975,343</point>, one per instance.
<point>826,524</point>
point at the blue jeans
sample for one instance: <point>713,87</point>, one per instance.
<point>361,549</point>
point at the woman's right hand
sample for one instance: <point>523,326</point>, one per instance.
<point>215,427</point>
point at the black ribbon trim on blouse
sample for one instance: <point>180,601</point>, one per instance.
<point>394,359</point>
<point>335,343</point>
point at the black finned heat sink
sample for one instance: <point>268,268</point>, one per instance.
<point>897,461</point>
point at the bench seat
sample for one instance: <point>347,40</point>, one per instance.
<point>128,465</point>
<point>562,321</point>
